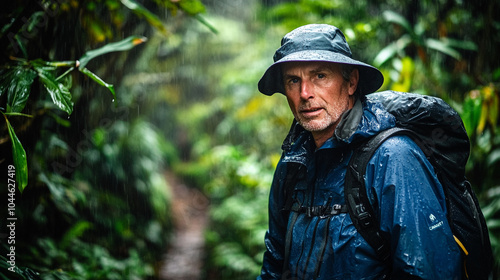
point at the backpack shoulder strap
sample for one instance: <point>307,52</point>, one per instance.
<point>358,205</point>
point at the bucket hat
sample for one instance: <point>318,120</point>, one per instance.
<point>317,42</point>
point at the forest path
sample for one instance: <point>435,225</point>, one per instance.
<point>184,257</point>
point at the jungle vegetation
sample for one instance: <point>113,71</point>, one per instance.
<point>100,97</point>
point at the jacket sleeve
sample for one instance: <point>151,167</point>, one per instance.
<point>275,236</point>
<point>411,206</point>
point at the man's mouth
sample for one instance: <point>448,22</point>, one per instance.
<point>311,112</point>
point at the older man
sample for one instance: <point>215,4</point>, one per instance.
<point>326,89</point>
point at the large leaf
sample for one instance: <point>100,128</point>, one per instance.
<point>58,92</point>
<point>123,45</point>
<point>98,80</point>
<point>16,84</point>
<point>391,50</point>
<point>442,47</point>
<point>459,44</point>
<point>385,54</point>
<point>471,113</point>
<point>19,157</point>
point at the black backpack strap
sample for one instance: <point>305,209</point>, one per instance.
<point>293,174</point>
<point>358,204</point>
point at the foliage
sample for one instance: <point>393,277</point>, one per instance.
<point>88,261</point>
<point>238,222</point>
<point>415,51</point>
<point>19,156</point>
<point>107,219</point>
<point>96,205</point>
<point>16,82</point>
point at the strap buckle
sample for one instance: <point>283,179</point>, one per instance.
<point>364,217</point>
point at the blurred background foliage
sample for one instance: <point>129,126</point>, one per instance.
<point>97,203</point>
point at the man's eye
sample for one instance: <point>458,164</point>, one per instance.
<point>294,80</point>
<point>321,76</point>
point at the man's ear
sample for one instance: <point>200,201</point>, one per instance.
<point>353,81</point>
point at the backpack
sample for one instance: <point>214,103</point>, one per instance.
<point>438,130</point>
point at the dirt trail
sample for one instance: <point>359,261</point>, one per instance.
<point>184,258</point>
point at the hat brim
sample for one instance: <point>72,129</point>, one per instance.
<point>370,78</point>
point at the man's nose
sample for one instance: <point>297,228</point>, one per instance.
<point>306,90</point>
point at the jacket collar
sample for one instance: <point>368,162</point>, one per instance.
<point>364,120</point>
<point>349,122</point>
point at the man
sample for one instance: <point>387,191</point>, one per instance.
<point>325,89</point>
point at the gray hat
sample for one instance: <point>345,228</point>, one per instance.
<point>317,42</point>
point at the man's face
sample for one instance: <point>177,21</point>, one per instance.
<point>318,95</point>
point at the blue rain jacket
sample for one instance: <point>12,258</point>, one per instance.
<point>402,187</point>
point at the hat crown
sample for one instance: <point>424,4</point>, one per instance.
<point>319,37</point>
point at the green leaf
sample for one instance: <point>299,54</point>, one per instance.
<point>396,18</point>
<point>459,44</point>
<point>59,120</point>
<point>442,47</point>
<point>139,10</point>
<point>391,50</point>
<point>19,157</point>
<point>493,157</point>
<point>192,7</point>
<point>76,231</point>
<point>18,114</point>
<point>53,65</point>
<point>123,45</point>
<point>98,80</point>
<point>58,92</point>
<point>206,23</point>
<point>472,111</point>
<point>385,54</point>
<point>16,83</point>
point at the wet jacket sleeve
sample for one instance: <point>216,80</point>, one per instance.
<point>411,206</point>
<point>275,236</point>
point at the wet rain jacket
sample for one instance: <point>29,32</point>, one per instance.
<point>402,187</point>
